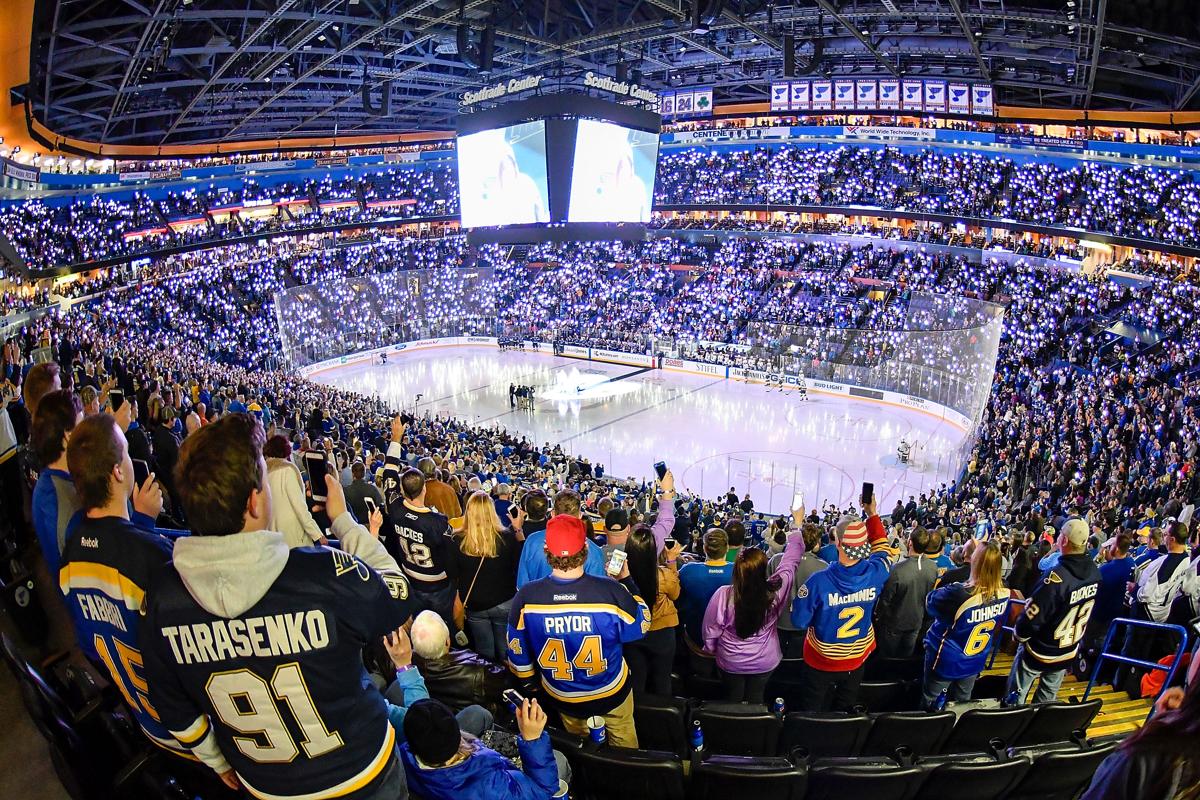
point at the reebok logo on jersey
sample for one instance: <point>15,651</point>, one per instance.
<point>565,598</point>
<point>91,542</point>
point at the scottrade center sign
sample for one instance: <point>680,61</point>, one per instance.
<point>502,89</point>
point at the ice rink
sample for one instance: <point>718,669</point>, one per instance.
<point>713,433</point>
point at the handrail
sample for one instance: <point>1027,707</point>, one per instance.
<point>1104,655</point>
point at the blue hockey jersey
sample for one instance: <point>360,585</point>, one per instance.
<point>106,568</point>
<point>836,606</point>
<point>571,634</point>
<point>964,626</point>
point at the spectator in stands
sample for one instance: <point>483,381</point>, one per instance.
<point>488,552</point>
<point>900,614</point>
<point>359,490</point>
<point>424,536</point>
<point>161,419</point>
<point>836,606</point>
<point>458,678</point>
<point>740,624</point>
<point>1158,761</point>
<point>736,531</point>
<point>961,571</point>
<point>106,542</point>
<point>791,640</point>
<point>654,572</point>
<point>534,567</point>
<point>438,494</point>
<point>1053,623</point>
<point>40,381</point>
<point>699,581</point>
<point>966,619</point>
<point>570,630</point>
<point>1115,575</point>
<point>55,503</point>
<point>1158,584</point>
<point>232,564</point>
<point>407,687</point>
<point>289,507</point>
<point>443,764</point>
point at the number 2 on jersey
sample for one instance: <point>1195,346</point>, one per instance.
<point>850,616</point>
<point>419,555</point>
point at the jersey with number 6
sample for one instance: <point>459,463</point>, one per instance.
<point>572,634</point>
<point>277,690</point>
<point>1057,614</point>
<point>964,625</point>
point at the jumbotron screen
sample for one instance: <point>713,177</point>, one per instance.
<point>613,175</point>
<point>502,176</point>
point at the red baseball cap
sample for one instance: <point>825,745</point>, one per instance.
<point>565,535</point>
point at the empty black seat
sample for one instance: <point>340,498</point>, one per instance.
<point>725,777</point>
<point>985,780</point>
<point>737,729</point>
<point>867,781</point>
<point>978,726</point>
<point>919,731</point>
<point>883,696</point>
<point>662,724</point>
<point>1063,772</point>
<point>1055,722</point>
<point>831,734</point>
<point>615,772</point>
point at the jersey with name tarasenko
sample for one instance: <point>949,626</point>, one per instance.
<point>837,603</point>
<point>571,634</point>
<point>106,567</point>
<point>964,625</point>
<point>269,689</point>
<point>1057,613</point>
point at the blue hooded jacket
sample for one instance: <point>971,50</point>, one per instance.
<point>487,774</point>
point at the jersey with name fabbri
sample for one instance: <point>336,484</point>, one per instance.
<point>270,687</point>
<point>106,567</point>
<point>837,603</point>
<point>571,634</point>
<point>964,625</point>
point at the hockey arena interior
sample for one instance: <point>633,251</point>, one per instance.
<point>608,399</point>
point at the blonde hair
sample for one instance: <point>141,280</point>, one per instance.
<point>985,571</point>
<point>481,526</point>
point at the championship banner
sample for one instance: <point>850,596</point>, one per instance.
<point>822,95</point>
<point>889,95</point>
<point>983,99</point>
<point>666,104</point>
<point>800,96</point>
<point>843,95</point>
<point>960,98</point>
<point>935,95</point>
<point>867,95</point>
<point>780,95</point>
<point>12,169</point>
<point>912,96</point>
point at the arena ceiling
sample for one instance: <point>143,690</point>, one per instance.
<point>160,72</point>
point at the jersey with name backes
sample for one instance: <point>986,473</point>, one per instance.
<point>289,716</point>
<point>1057,614</point>
<point>106,567</point>
<point>964,626</point>
<point>571,634</point>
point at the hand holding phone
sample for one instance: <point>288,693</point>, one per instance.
<point>868,494</point>
<point>317,467</point>
<point>616,563</point>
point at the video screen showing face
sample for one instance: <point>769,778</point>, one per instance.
<point>502,176</point>
<point>613,177</point>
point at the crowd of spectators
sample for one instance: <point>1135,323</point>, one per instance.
<point>1140,202</point>
<point>1074,438</point>
<point>50,234</point>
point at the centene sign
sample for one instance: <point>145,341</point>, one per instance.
<point>502,89</point>
<point>594,81</point>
